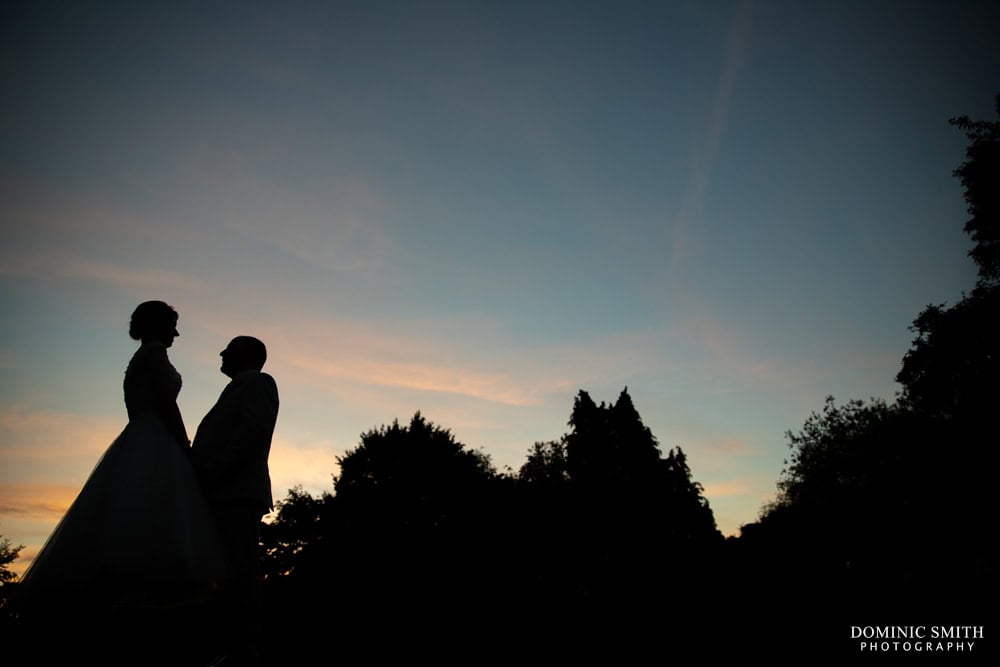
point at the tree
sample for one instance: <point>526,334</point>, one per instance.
<point>637,449</point>
<point>693,522</point>
<point>640,536</point>
<point>875,492</point>
<point>590,453</point>
<point>980,176</point>
<point>412,510</point>
<point>546,465</point>
<point>400,545</point>
<point>609,447</point>
<point>869,458</point>
<point>953,363</point>
<point>951,373</point>
<point>418,476</point>
<point>627,501</point>
<point>952,368</point>
<point>832,456</point>
<point>297,532</point>
<point>8,554</point>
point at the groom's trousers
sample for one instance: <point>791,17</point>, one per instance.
<point>239,530</point>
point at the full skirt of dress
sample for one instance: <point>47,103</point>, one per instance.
<point>139,534</point>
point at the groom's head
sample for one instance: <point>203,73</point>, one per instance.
<point>243,353</point>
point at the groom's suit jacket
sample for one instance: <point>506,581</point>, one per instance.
<point>233,441</point>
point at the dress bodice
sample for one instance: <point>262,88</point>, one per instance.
<point>151,382</point>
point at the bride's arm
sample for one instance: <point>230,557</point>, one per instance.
<point>175,424</point>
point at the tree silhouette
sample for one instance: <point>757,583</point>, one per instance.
<point>951,373</point>
<point>619,534</point>
<point>420,459</point>
<point>591,455</point>
<point>296,533</point>
<point>850,463</point>
<point>980,177</point>
<point>952,366</point>
<point>416,479</point>
<point>924,462</point>
<point>407,528</point>
<point>615,466</point>
<point>546,465</point>
<point>692,521</point>
<point>8,554</point>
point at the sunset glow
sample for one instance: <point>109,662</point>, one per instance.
<point>475,210</point>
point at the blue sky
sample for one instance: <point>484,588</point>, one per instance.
<point>476,209</point>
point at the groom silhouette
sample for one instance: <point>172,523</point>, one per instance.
<point>229,453</point>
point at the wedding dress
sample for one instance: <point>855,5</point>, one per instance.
<point>139,534</point>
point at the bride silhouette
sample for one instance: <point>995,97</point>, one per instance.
<point>139,535</point>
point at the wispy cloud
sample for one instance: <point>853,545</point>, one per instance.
<point>51,437</point>
<point>64,266</point>
<point>131,279</point>
<point>328,217</point>
<point>705,156</point>
<point>487,367</point>
<point>29,512</point>
<point>64,237</point>
<point>39,500</point>
<point>734,360</point>
<point>731,446</point>
<point>44,459</point>
<point>728,488</point>
<point>338,234</point>
<point>423,377</point>
<point>459,356</point>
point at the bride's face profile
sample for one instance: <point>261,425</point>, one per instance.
<point>166,334</point>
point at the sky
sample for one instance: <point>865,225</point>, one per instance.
<point>475,210</point>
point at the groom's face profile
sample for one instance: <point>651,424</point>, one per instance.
<point>242,354</point>
<point>234,358</point>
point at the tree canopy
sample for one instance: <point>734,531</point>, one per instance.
<point>980,177</point>
<point>924,460</point>
<point>8,554</point>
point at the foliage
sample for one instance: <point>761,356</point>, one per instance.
<point>923,461</point>
<point>609,446</point>
<point>980,177</point>
<point>546,465</point>
<point>692,519</point>
<point>612,474</point>
<point>416,476</point>
<point>8,554</point>
<point>832,455</point>
<point>952,366</point>
<point>297,527</point>
<point>953,363</point>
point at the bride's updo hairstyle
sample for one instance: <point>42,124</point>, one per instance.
<point>150,318</point>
